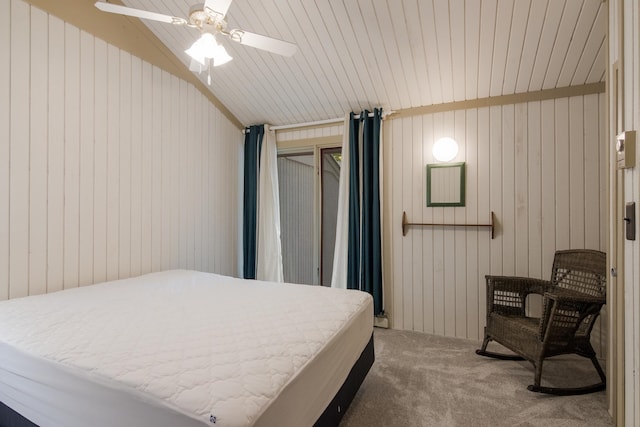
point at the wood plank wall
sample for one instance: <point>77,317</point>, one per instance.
<point>109,166</point>
<point>540,166</point>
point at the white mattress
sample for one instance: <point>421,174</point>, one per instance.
<point>180,348</point>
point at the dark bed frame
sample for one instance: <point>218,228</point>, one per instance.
<point>338,406</point>
<point>330,417</point>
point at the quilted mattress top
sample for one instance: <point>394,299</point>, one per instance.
<point>208,346</point>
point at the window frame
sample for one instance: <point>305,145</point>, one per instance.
<point>315,145</point>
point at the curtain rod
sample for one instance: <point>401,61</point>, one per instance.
<point>301,125</point>
<point>318,122</point>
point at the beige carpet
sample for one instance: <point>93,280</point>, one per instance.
<point>424,380</point>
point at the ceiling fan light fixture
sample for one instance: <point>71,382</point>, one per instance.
<point>206,47</point>
<point>221,56</point>
<point>198,50</point>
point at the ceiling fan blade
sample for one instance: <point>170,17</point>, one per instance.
<point>259,41</point>
<point>138,13</point>
<point>219,7</point>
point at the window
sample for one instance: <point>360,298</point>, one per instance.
<point>330,159</point>
<point>296,181</point>
<point>308,178</point>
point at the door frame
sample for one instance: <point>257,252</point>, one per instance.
<point>615,290</point>
<point>313,145</point>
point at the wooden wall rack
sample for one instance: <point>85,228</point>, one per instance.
<point>406,224</point>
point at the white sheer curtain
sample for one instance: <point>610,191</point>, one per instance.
<point>269,256</point>
<point>340,258</point>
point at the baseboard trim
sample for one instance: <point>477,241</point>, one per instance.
<point>381,321</point>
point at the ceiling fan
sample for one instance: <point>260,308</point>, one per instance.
<point>209,19</point>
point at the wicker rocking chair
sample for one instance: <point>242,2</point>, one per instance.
<point>571,303</point>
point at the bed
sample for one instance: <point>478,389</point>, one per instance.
<point>184,348</point>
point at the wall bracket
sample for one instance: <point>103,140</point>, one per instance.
<point>406,224</point>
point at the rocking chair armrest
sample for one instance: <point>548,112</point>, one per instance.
<point>563,295</point>
<point>564,307</point>
<point>508,294</point>
<point>524,285</point>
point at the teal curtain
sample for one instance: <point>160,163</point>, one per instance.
<point>371,268</point>
<point>353,253</point>
<point>252,146</point>
<point>364,268</point>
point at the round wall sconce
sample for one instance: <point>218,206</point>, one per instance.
<point>445,149</point>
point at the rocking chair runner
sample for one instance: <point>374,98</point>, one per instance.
<point>571,304</point>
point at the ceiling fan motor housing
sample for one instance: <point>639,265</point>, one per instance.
<point>206,19</point>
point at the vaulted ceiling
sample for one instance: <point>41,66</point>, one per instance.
<point>398,54</point>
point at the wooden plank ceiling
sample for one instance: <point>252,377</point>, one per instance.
<point>398,54</point>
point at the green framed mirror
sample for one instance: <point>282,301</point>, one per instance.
<point>445,184</point>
